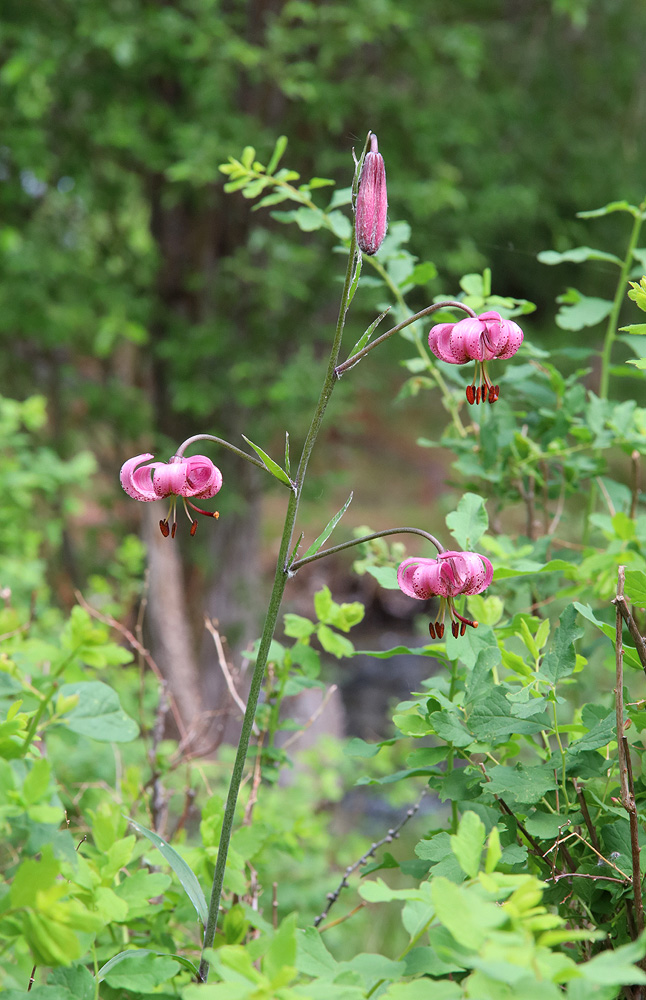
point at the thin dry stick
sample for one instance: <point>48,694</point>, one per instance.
<point>638,638</point>
<point>224,667</point>
<point>342,920</point>
<point>625,876</point>
<point>137,646</point>
<point>560,505</point>
<point>625,768</point>
<point>296,736</point>
<point>606,496</point>
<point>586,815</point>
<point>595,878</point>
<point>391,835</point>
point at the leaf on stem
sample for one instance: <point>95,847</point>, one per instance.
<point>365,337</point>
<point>183,871</point>
<point>135,953</point>
<point>276,156</point>
<point>328,529</point>
<point>270,465</point>
<point>612,206</point>
<point>577,255</point>
<point>469,521</point>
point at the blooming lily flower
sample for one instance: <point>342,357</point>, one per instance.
<point>372,201</point>
<point>450,574</point>
<point>196,476</point>
<point>478,339</point>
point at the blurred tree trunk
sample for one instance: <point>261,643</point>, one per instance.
<point>169,633</point>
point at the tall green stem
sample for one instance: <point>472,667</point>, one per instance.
<point>278,589</point>
<point>609,339</point>
<point>613,318</point>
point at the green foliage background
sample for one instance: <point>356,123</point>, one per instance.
<point>139,304</point>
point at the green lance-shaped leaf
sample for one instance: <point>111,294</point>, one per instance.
<point>288,468</point>
<point>183,871</point>
<point>276,156</point>
<point>328,529</point>
<point>365,337</point>
<point>270,465</point>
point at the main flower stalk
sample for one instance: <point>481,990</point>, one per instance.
<point>280,580</point>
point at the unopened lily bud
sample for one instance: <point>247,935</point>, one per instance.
<point>372,201</point>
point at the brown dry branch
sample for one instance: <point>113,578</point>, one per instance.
<point>224,666</point>
<point>391,835</point>
<point>342,920</point>
<point>623,751</point>
<point>580,794</point>
<point>313,717</point>
<point>638,638</point>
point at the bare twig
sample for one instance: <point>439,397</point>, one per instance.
<point>586,816</point>
<point>137,646</point>
<point>623,751</point>
<point>606,496</point>
<point>606,861</point>
<point>224,667</point>
<point>296,736</point>
<point>31,979</point>
<point>595,878</point>
<point>560,505</point>
<point>505,808</point>
<point>342,920</point>
<point>638,638</point>
<point>391,835</point>
<point>274,904</point>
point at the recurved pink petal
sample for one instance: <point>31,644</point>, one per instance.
<point>465,572</point>
<point>466,338</point>
<point>170,479</point>
<point>514,338</point>
<point>419,578</point>
<point>478,573</point>
<point>494,335</point>
<point>203,478</point>
<point>137,482</point>
<point>443,345</point>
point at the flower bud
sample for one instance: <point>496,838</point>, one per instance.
<point>372,201</point>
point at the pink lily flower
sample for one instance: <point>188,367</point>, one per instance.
<point>478,339</point>
<point>196,476</point>
<point>372,201</point>
<point>447,576</point>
